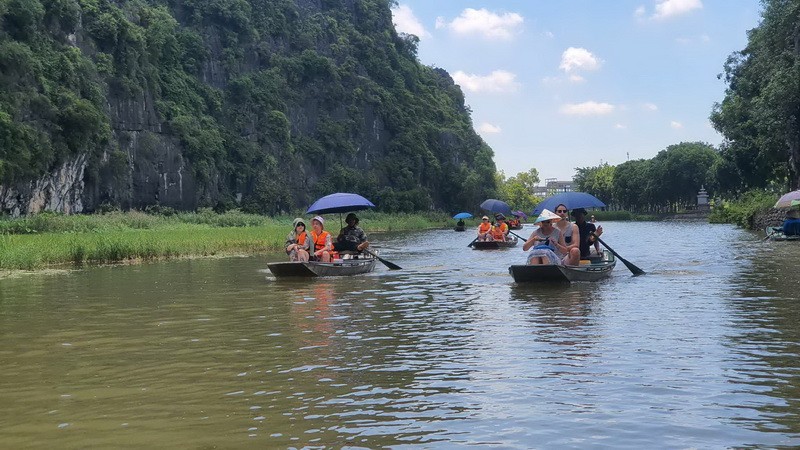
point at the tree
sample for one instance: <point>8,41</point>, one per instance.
<point>760,114</point>
<point>517,191</point>
<point>598,181</point>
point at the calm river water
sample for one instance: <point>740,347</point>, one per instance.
<point>702,352</point>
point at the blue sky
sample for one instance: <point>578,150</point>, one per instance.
<point>562,84</point>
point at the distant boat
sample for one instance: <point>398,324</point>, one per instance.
<point>494,245</point>
<point>598,269</point>
<point>776,234</point>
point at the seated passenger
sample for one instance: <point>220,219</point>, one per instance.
<point>484,229</point>
<point>586,229</point>
<point>352,237</point>
<point>321,239</point>
<point>547,241</point>
<point>791,226</point>
<point>571,236</point>
<point>460,223</point>
<point>499,231</point>
<point>297,242</point>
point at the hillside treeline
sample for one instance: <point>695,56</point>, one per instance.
<point>259,104</point>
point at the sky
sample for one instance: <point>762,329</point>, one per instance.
<point>555,85</point>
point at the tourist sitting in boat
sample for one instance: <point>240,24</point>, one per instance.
<point>297,242</point>
<point>460,223</point>
<point>322,240</point>
<point>791,226</point>
<point>351,238</point>
<point>484,229</point>
<point>547,242</point>
<point>499,231</point>
<point>587,230</point>
<point>571,235</point>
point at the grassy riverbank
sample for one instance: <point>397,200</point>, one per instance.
<point>48,240</point>
<point>742,211</point>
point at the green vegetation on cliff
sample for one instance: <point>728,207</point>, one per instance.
<point>277,100</point>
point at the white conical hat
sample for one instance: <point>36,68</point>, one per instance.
<point>547,215</point>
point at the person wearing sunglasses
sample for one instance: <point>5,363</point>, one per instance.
<point>484,229</point>
<point>544,240</point>
<point>571,254</point>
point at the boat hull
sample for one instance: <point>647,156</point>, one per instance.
<point>550,273</point>
<point>344,267</point>
<point>493,245</point>
<point>457,228</point>
<point>776,234</point>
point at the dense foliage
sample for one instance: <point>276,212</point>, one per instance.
<point>267,98</point>
<point>760,114</point>
<point>665,183</point>
<point>518,190</point>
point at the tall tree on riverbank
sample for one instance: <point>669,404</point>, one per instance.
<point>665,183</point>
<point>760,115</point>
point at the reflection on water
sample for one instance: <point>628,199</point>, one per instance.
<point>701,352</point>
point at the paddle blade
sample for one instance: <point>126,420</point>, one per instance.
<point>634,270</point>
<point>389,264</point>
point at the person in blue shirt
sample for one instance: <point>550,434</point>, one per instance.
<point>791,226</point>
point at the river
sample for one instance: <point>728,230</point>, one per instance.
<point>702,352</point>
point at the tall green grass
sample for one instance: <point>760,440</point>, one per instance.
<point>47,240</point>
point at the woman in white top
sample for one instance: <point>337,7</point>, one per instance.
<point>571,256</point>
<point>545,240</point>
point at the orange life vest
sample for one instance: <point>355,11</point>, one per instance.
<point>484,227</point>
<point>497,233</point>
<point>319,241</point>
<point>301,239</point>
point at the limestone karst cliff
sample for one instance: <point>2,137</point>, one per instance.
<point>258,104</point>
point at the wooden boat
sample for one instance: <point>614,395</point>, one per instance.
<point>458,228</point>
<point>776,234</point>
<point>339,267</point>
<point>493,245</point>
<point>597,269</point>
<point>515,227</point>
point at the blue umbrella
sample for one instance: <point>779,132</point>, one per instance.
<point>462,215</point>
<point>572,200</point>
<point>496,206</point>
<point>338,203</point>
<point>520,214</point>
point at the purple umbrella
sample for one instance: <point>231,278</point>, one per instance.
<point>520,214</point>
<point>786,199</point>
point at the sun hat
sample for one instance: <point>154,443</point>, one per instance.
<point>499,216</point>
<point>547,215</point>
<point>319,219</point>
<point>351,216</point>
<point>298,221</point>
<point>485,218</point>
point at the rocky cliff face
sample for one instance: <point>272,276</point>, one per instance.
<point>261,104</point>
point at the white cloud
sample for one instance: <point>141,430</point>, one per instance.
<point>488,128</point>
<point>549,34</point>
<point>640,12</point>
<point>497,81</point>
<point>574,59</point>
<point>587,109</point>
<point>406,22</point>
<point>676,125</point>
<point>620,126</point>
<point>650,107</point>
<point>485,23</point>
<point>705,38</point>
<point>666,9</point>
<point>575,78</point>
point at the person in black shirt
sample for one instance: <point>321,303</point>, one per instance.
<point>585,228</point>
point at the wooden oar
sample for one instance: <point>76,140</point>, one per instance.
<point>634,270</point>
<point>389,264</point>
